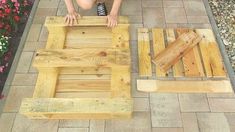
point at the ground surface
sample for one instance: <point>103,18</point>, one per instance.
<point>152,112</point>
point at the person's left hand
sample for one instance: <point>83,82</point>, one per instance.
<point>112,20</point>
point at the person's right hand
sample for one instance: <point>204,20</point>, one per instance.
<point>71,18</point>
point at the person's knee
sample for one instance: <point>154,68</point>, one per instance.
<point>85,4</point>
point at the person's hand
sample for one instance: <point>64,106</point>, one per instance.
<point>112,20</point>
<point>72,18</point>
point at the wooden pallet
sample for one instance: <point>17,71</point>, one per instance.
<point>84,72</point>
<point>201,70</point>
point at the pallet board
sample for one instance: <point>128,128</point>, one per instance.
<point>83,74</point>
<point>199,69</point>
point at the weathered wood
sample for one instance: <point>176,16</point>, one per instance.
<point>82,85</point>
<point>158,46</point>
<point>80,108</point>
<point>211,57</point>
<point>85,57</point>
<point>207,86</point>
<point>84,21</point>
<point>178,69</point>
<point>176,50</point>
<point>145,65</point>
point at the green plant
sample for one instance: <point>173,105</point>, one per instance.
<point>4,44</point>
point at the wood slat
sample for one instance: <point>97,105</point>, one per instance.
<point>56,37</point>
<point>87,107</point>
<point>121,37</point>
<point>121,82</point>
<point>207,86</point>
<point>85,70</point>
<point>83,94</point>
<point>84,77</point>
<point>145,65</point>
<point>58,21</point>
<point>158,46</point>
<point>178,69</point>
<point>82,85</point>
<point>176,50</point>
<point>211,57</point>
<point>81,58</point>
<point>191,61</point>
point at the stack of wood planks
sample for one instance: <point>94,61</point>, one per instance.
<point>183,61</point>
<point>84,72</point>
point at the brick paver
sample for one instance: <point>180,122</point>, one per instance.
<point>153,112</point>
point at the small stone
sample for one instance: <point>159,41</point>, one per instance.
<point>225,42</point>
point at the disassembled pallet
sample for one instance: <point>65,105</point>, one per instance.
<point>84,72</point>
<point>199,70</point>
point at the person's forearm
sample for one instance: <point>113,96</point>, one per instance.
<point>116,6</point>
<point>69,5</point>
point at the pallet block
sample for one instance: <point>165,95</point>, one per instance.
<point>199,70</point>
<point>84,72</point>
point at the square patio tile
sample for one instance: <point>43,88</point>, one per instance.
<point>43,34</point>
<point>48,4</point>
<point>6,121</point>
<point>153,17</point>
<point>152,3</point>
<point>24,62</point>
<point>141,104</point>
<point>24,79</point>
<point>167,130</point>
<point>175,15</point>
<point>195,8</point>
<point>97,125</point>
<point>74,123</point>
<point>140,122</point>
<point>198,19</point>
<point>222,105</point>
<point>212,122</point>
<point>131,8</point>
<point>173,3</point>
<point>34,32</point>
<point>231,120</point>
<point>15,96</point>
<point>42,13</point>
<point>73,130</point>
<point>190,122</point>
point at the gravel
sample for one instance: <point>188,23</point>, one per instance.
<point>224,13</point>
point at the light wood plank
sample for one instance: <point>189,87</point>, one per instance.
<point>176,50</point>
<point>211,56</point>
<point>85,70</point>
<point>121,82</point>
<point>121,37</point>
<point>87,107</point>
<point>46,83</point>
<point>84,21</point>
<point>82,94</point>
<point>84,77</point>
<point>145,65</point>
<point>191,61</point>
<point>209,86</point>
<point>158,46</point>
<point>85,57</point>
<point>178,69</point>
<point>82,85</point>
<point>56,37</point>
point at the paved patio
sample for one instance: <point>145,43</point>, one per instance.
<point>152,112</point>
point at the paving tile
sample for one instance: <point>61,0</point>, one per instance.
<point>135,19</point>
<point>190,122</point>
<point>175,15</point>
<point>165,110</point>
<point>133,31</point>
<point>134,56</point>
<point>90,12</point>
<point>222,105</point>
<point>198,25</point>
<point>198,19</point>
<point>15,96</point>
<point>73,130</point>
<point>212,122</point>
<point>48,4</point>
<point>24,79</point>
<point>23,124</point>
<point>135,92</point>
<point>34,32</point>
<point>140,122</point>
<point>221,95</point>
<point>131,8</point>
<point>173,3</point>
<point>74,123</point>
<point>153,17</point>
<point>167,130</point>
<point>195,8</point>
<point>43,35</point>
<point>6,121</point>
<point>141,104</point>
<point>24,62</point>
<point>193,102</point>
<point>33,46</point>
<point>42,13</point>
<point>152,3</point>
<point>231,120</point>
<point>97,125</point>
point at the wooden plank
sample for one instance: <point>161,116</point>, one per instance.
<point>83,94</point>
<point>84,77</point>
<point>46,83</point>
<point>145,65</point>
<point>56,37</point>
<point>82,85</point>
<point>176,50</point>
<point>121,82</point>
<point>209,86</point>
<point>178,69</point>
<point>211,56</point>
<point>191,61</point>
<point>87,107</point>
<point>121,37</point>
<point>85,70</point>
<point>85,57</point>
<point>84,21</point>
